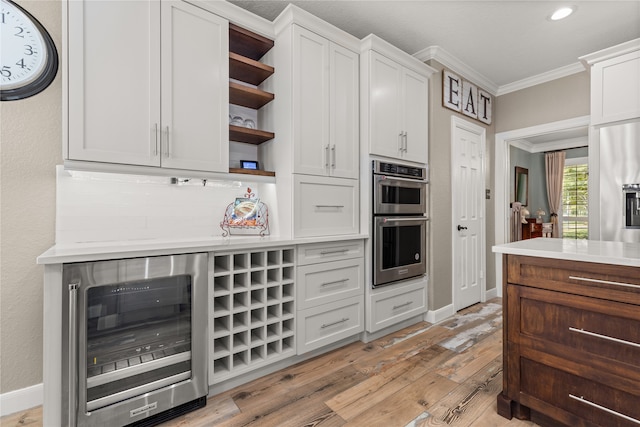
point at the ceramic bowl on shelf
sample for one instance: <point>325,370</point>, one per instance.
<point>237,121</point>
<point>248,123</point>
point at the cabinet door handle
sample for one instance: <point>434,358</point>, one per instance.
<point>155,152</point>
<point>329,206</point>
<point>400,141</point>
<point>326,157</point>
<point>337,322</point>
<point>605,409</point>
<point>405,141</point>
<point>607,282</point>
<point>168,149</point>
<point>604,337</point>
<point>395,307</point>
<point>333,156</point>
<point>335,282</point>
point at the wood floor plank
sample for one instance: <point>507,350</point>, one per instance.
<point>216,411</point>
<point>404,406</point>
<point>462,366</point>
<point>371,392</point>
<point>28,417</point>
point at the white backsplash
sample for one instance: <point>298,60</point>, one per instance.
<point>103,207</point>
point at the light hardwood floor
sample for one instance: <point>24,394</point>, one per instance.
<point>424,375</point>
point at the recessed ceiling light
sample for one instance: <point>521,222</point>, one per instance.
<point>562,13</point>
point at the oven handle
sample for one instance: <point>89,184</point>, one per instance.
<point>397,178</point>
<point>73,352</point>
<point>412,218</point>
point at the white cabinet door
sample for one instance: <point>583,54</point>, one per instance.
<point>311,102</point>
<point>385,100</point>
<point>114,81</point>
<point>416,116</point>
<point>326,106</point>
<point>344,112</point>
<point>195,88</point>
<point>615,89</point>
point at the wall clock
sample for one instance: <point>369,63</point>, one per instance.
<point>28,57</point>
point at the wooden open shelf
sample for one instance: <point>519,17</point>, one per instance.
<point>247,96</point>
<point>248,43</point>
<point>249,136</point>
<point>251,172</point>
<point>248,70</point>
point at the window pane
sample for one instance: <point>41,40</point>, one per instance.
<point>575,197</point>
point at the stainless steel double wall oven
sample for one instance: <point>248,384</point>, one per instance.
<point>400,222</point>
<point>136,337</point>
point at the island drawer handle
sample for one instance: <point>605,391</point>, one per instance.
<point>337,322</point>
<point>335,282</point>
<point>330,206</point>
<point>395,307</point>
<point>604,337</point>
<point>586,279</point>
<point>611,411</point>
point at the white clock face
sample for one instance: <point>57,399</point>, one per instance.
<point>23,55</point>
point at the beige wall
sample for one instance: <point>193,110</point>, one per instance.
<point>560,99</point>
<point>440,290</point>
<point>30,131</point>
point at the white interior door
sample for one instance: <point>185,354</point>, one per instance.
<point>467,169</point>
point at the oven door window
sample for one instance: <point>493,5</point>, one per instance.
<point>399,196</point>
<point>138,333</point>
<point>401,246</point>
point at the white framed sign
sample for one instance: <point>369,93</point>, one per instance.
<point>464,97</point>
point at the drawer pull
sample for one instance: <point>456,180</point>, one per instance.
<point>339,251</point>
<point>604,337</point>
<point>395,307</point>
<point>337,322</point>
<point>595,405</point>
<point>330,206</point>
<point>335,282</point>
<point>586,279</point>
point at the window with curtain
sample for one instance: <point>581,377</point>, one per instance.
<point>575,198</point>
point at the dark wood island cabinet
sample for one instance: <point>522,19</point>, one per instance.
<point>571,335</point>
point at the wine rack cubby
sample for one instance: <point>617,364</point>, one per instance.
<point>252,310</point>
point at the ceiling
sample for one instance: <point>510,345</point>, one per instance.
<point>504,42</point>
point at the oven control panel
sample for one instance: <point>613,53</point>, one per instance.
<point>394,169</point>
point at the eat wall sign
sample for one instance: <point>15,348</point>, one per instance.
<point>464,97</point>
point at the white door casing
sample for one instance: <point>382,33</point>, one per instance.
<point>468,212</point>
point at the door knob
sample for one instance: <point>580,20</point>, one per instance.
<point>461,228</point>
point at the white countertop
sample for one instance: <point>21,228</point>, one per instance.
<point>80,252</point>
<point>616,253</point>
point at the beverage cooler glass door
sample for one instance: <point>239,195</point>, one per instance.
<point>399,248</point>
<point>141,343</point>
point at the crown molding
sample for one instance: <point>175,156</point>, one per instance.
<point>563,144</point>
<point>558,73</point>
<point>610,52</point>
<point>458,66</point>
<point>238,16</point>
<point>383,47</point>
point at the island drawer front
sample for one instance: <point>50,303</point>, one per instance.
<point>613,282</point>
<point>606,330</point>
<point>327,282</point>
<point>328,323</point>
<point>576,400</point>
<point>334,251</point>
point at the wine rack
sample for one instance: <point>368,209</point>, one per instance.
<point>252,310</point>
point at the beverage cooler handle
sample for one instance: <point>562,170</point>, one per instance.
<point>73,353</point>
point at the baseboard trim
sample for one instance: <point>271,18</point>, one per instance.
<point>436,316</point>
<point>491,294</point>
<point>19,400</point>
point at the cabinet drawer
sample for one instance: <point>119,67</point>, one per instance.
<point>605,281</point>
<point>334,251</point>
<point>602,332</point>
<point>325,206</point>
<point>327,282</point>
<point>392,306</point>
<point>328,323</point>
<point>573,399</point>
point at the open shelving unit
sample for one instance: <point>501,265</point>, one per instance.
<point>251,312</point>
<point>245,50</point>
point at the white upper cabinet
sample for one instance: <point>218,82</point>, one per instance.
<point>325,106</point>
<point>615,83</point>
<point>396,97</point>
<point>155,93</point>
